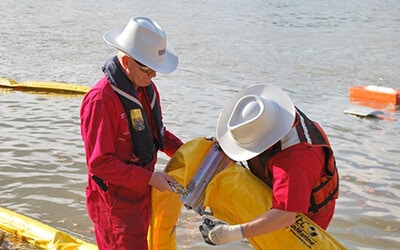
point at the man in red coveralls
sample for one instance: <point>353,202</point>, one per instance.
<point>122,130</point>
<point>284,149</point>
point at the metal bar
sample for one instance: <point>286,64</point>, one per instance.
<point>214,162</point>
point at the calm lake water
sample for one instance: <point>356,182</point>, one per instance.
<point>314,50</point>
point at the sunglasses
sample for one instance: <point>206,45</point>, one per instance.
<point>143,67</point>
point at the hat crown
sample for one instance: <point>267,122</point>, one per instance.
<point>146,37</point>
<point>251,119</point>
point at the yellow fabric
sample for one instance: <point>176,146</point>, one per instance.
<point>235,204</point>
<point>39,234</point>
<point>166,206</point>
<point>234,195</point>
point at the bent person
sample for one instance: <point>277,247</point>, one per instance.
<point>287,151</point>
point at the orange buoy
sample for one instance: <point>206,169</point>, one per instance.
<point>375,96</point>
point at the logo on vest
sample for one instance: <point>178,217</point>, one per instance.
<point>137,120</point>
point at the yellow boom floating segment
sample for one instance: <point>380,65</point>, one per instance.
<point>56,87</point>
<point>39,234</point>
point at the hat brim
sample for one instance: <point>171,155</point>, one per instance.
<point>169,64</point>
<point>286,117</point>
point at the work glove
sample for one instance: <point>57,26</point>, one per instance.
<point>218,232</point>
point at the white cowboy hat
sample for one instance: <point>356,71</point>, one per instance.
<point>253,120</point>
<point>144,40</point>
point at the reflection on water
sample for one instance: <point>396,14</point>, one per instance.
<point>314,50</point>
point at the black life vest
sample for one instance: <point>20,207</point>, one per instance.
<point>145,145</point>
<point>308,132</point>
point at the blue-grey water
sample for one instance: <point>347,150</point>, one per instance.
<point>314,50</point>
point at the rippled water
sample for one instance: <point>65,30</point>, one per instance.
<point>314,50</point>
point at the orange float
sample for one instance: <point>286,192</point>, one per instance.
<point>377,97</point>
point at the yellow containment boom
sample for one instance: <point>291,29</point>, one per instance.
<point>212,183</point>
<point>39,234</point>
<point>57,87</point>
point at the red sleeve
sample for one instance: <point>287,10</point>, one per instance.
<point>107,150</point>
<point>294,171</point>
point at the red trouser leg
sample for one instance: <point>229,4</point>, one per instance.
<point>120,218</point>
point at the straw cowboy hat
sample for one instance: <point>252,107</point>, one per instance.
<point>144,40</point>
<point>253,120</point>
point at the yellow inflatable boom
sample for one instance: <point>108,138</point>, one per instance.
<point>231,193</point>
<point>39,234</point>
<point>44,86</point>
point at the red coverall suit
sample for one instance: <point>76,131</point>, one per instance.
<point>121,215</point>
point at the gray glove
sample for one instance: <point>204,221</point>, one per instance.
<point>218,232</point>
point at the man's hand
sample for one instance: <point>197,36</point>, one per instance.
<point>161,180</point>
<point>217,232</point>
